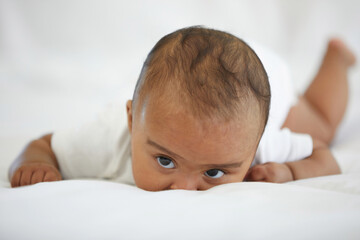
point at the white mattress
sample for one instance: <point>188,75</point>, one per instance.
<point>61,62</point>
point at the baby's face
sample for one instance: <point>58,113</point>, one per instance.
<point>176,151</point>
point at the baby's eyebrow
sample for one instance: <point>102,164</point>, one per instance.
<point>158,146</point>
<point>226,165</point>
<point>210,166</point>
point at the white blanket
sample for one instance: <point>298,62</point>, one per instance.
<point>78,209</point>
<point>61,62</point>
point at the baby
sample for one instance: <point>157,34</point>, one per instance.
<point>198,119</point>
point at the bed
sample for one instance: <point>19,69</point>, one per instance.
<point>60,64</point>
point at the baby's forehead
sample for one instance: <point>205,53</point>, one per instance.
<point>173,112</point>
<point>174,97</point>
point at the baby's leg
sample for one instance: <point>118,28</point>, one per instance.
<point>322,107</point>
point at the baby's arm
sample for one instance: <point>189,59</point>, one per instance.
<point>37,163</point>
<point>320,163</point>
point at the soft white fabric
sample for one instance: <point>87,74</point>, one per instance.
<point>282,145</point>
<point>101,148</point>
<point>97,149</point>
<point>78,209</point>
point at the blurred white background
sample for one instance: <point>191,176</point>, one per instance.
<point>63,61</point>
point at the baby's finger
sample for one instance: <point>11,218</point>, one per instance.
<point>37,177</point>
<point>257,174</point>
<point>25,178</point>
<point>15,180</point>
<point>51,176</point>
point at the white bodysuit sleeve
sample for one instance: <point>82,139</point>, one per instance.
<point>98,149</point>
<point>282,145</point>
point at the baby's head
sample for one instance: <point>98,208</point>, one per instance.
<point>199,109</point>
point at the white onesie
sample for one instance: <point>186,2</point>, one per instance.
<point>101,148</point>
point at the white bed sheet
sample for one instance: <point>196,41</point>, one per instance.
<point>78,209</point>
<point>60,62</point>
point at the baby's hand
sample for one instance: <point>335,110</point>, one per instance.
<point>270,172</point>
<point>32,173</point>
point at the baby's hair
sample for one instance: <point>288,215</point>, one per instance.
<point>212,73</point>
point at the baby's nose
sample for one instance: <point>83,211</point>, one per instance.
<point>185,183</point>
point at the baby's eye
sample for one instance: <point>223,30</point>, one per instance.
<point>165,162</point>
<point>214,173</point>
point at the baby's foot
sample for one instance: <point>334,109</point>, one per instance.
<point>337,47</point>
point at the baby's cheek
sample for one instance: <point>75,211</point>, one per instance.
<point>147,178</point>
<point>152,183</point>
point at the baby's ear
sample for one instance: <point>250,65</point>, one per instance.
<point>129,114</point>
